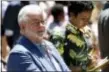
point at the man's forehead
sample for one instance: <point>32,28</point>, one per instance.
<point>35,16</point>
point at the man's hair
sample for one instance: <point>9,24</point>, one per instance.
<point>77,7</point>
<point>57,10</point>
<point>28,9</point>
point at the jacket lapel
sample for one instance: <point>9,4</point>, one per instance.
<point>36,55</point>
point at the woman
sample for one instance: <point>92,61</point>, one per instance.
<point>75,47</point>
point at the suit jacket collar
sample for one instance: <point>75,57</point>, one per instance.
<point>40,60</point>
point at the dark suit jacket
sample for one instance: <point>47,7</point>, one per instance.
<point>103,29</point>
<point>10,20</point>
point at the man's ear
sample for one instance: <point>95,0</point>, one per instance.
<point>22,28</point>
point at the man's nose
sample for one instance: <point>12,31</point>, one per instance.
<point>41,24</point>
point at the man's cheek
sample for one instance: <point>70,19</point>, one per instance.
<point>38,28</point>
<point>41,29</point>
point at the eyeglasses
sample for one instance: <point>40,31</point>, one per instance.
<point>37,23</point>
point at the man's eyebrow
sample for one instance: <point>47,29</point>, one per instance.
<point>35,19</point>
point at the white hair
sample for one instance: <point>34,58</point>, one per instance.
<point>28,9</point>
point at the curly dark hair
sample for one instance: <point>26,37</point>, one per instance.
<point>57,10</point>
<point>77,7</point>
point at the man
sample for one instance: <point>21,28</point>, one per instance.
<point>11,27</point>
<point>75,48</point>
<point>103,31</point>
<point>4,48</point>
<point>57,28</point>
<point>32,53</point>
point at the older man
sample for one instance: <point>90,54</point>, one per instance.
<point>32,53</point>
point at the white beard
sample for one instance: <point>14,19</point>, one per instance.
<point>36,36</point>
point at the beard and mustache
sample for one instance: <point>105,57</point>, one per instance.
<point>35,35</point>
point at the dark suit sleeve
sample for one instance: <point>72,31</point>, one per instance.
<point>21,62</point>
<point>10,19</point>
<point>103,33</point>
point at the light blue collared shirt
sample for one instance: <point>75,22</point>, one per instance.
<point>49,57</point>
